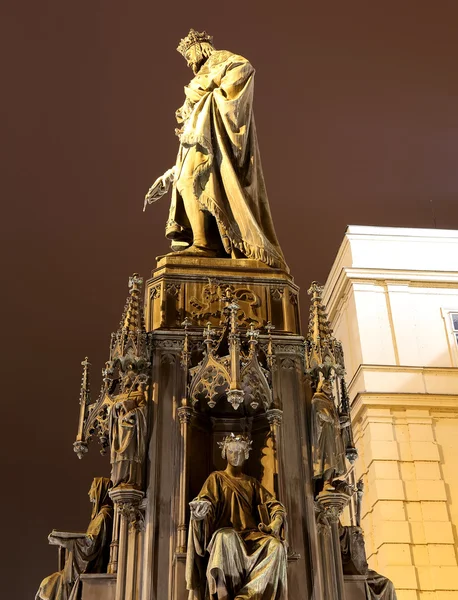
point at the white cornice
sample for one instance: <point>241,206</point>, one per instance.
<point>369,231</point>
<point>338,284</point>
<point>434,402</point>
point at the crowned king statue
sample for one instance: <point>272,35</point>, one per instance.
<point>219,202</point>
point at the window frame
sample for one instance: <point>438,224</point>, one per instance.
<point>452,333</point>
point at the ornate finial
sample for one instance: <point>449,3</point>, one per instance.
<point>85,384</point>
<point>186,323</point>
<point>185,353</point>
<point>270,348</point>
<point>252,333</point>
<point>80,446</point>
<point>269,327</point>
<point>321,346</point>
<point>319,326</point>
<point>193,37</point>
<point>132,318</point>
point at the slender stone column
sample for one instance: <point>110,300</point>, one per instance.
<point>184,415</point>
<point>332,504</point>
<point>327,563</point>
<point>114,546</point>
<point>275,417</point>
<point>126,501</point>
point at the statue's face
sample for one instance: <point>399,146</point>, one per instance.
<point>326,387</point>
<point>235,454</point>
<point>194,58</point>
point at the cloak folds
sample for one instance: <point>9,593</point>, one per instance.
<point>241,559</point>
<point>88,554</point>
<point>127,425</point>
<point>219,160</point>
<point>328,453</point>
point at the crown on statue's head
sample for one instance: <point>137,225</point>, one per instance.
<point>194,37</point>
<point>239,438</point>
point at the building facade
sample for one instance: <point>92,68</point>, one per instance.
<point>392,299</point>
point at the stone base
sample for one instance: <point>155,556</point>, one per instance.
<point>98,586</point>
<point>355,587</point>
<point>191,287</point>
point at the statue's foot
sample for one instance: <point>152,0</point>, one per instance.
<point>196,251</point>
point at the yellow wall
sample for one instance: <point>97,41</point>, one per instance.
<point>389,295</point>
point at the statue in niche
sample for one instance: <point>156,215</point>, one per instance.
<point>328,452</point>
<point>236,545</point>
<point>219,201</point>
<point>128,428</point>
<point>86,552</point>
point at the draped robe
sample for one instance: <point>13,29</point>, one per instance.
<point>219,161</point>
<point>243,562</point>
<point>88,554</point>
<point>328,453</point>
<point>128,426</point>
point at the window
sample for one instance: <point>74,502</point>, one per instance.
<point>454,317</point>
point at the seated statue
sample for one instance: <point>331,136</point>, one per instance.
<point>354,562</point>
<point>236,545</point>
<point>86,553</point>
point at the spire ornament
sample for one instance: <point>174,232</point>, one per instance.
<point>323,351</point>
<point>231,368</point>
<point>325,366</point>
<point>126,373</point>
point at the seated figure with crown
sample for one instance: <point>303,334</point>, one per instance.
<point>236,545</point>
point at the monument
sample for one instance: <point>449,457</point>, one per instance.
<point>210,356</point>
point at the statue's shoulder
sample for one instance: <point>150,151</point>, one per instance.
<point>223,475</point>
<point>220,57</point>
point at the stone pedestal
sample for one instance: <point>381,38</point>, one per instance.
<point>183,441</point>
<point>192,287</point>
<point>355,587</point>
<point>124,551</point>
<point>98,586</point>
<point>330,506</point>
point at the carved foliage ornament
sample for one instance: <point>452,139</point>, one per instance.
<point>230,369</point>
<point>214,298</point>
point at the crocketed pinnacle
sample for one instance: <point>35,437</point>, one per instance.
<point>320,344</point>
<point>319,325</point>
<point>131,336</point>
<point>132,317</point>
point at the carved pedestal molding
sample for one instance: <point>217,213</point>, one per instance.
<point>331,505</point>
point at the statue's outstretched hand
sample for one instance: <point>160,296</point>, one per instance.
<point>56,540</point>
<point>159,187</point>
<point>199,509</point>
<point>273,528</point>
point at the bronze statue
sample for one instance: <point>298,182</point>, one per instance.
<point>127,426</point>
<point>86,552</point>
<point>236,545</point>
<point>219,200</point>
<point>328,453</point>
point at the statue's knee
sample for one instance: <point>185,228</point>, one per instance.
<point>226,535</point>
<point>275,545</point>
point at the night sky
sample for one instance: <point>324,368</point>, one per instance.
<point>356,108</point>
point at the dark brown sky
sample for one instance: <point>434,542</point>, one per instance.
<point>357,114</point>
